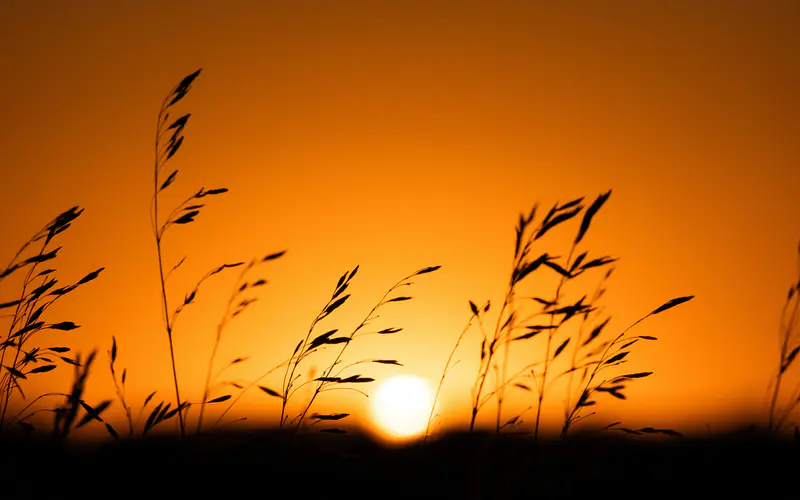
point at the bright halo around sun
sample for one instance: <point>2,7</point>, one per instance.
<point>401,405</point>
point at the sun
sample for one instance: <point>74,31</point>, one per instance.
<point>401,405</point>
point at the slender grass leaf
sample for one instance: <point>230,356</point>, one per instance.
<point>273,256</point>
<point>111,431</point>
<point>340,289</point>
<point>58,349</point>
<point>633,375</point>
<point>578,262</point>
<point>570,204</point>
<point>180,122</point>
<point>331,416</point>
<point>269,391</point>
<point>427,270</point>
<point>353,273</point>
<point>473,308</point>
<point>64,325</point>
<point>387,362</point>
<point>399,299</point>
<point>168,415</point>
<point>169,180</point>
<point>36,259</point>
<point>672,303</point>
<point>337,340</point>
<point>320,339</point>
<point>151,420</point>
<point>91,276</point>
<point>509,320</point>
<point>790,358</point>
<point>602,261</point>
<point>561,348</point>
<point>220,399</point>
<point>356,379</point>
<point>557,268</point>
<point>16,373</point>
<point>544,302</point>
<point>334,305</point>
<point>297,348</point>
<point>13,303</point>
<point>42,369</point>
<point>596,331</point>
<point>183,87</point>
<point>187,217</point>
<point>328,379</point>
<point>38,291</point>
<point>389,330</point>
<point>92,413</point>
<point>617,394</point>
<point>30,327</point>
<point>210,192</point>
<point>615,358</point>
<point>148,398</point>
<point>590,213</point>
<point>113,349</point>
<point>38,312</point>
<point>550,224</point>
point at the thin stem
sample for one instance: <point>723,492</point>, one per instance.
<point>159,235</point>
<point>550,334</point>
<point>330,368</point>
<point>220,327</point>
<point>444,374</point>
<point>786,334</point>
<point>26,282</point>
<point>578,404</point>
<point>241,393</point>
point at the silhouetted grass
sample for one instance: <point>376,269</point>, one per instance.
<point>186,213</point>
<point>789,341</point>
<point>20,356</point>
<point>458,465</point>
<point>333,377</point>
<point>589,355</point>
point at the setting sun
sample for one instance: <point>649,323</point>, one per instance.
<point>401,406</point>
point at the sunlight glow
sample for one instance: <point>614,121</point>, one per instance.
<point>401,406</point>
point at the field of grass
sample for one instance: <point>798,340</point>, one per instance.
<point>577,350</point>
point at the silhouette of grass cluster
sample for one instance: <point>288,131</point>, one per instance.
<point>22,356</point>
<point>575,331</point>
<point>517,322</point>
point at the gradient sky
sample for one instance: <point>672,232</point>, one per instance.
<point>399,135</point>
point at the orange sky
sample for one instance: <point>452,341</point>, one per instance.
<point>399,135</point>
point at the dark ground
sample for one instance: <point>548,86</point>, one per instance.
<point>266,464</point>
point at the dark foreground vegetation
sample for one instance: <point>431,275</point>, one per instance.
<point>470,465</point>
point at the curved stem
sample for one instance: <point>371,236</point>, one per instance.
<point>444,374</point>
